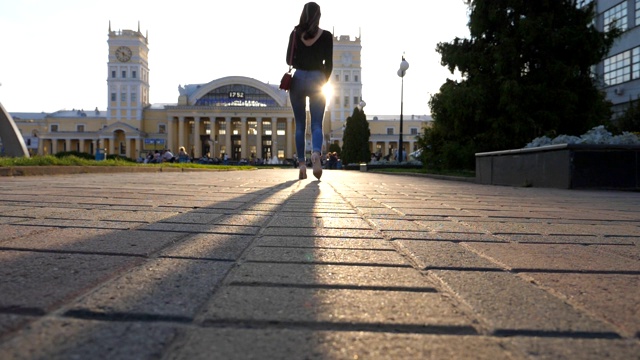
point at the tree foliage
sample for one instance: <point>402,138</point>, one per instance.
<point>355,140</point>
<point>526,72</point>
<point>630,120</point>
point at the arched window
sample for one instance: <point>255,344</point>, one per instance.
<point>237,95</point>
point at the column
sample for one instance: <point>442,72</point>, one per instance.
<point>274,137</point>
<point>259,138</point>
<point>40,146</point>
<point>385,151</point>
<point>54,146</point>
<point>197,152</point>
<point>243,138</point>
<point>170,136</point>
<point>94,144</point>
<point>81,145</point>
<point>67,145</point>
<point>290,138</point>
<point>181,139</point>
<point>112,144</point>
<point>227,136</point>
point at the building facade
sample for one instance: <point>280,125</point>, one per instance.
<point>619,72</point>
<point>238,116</point>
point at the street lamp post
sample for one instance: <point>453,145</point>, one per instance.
<point>404,65</point>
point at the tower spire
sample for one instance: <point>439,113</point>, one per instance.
<point>138,26</point>
<point>109,26</point>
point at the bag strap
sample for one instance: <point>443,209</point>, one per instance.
<point>293,49</point>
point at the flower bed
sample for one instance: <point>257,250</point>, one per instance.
<point>594,160</point>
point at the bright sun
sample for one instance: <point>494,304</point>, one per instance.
<point>327,90</point>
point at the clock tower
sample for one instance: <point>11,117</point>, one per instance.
<point>347,84</point>
<point>128,76</point>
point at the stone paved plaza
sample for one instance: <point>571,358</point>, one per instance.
<point>258,265</point>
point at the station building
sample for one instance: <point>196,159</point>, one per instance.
<point>238,116</point>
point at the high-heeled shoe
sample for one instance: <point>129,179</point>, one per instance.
<point>303,171</point>
<point>317,165</point>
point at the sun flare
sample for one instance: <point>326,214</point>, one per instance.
<point>327,90</point>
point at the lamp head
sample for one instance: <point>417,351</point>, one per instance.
<point>404,65</point>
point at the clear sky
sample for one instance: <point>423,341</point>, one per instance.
<point>54,53</point>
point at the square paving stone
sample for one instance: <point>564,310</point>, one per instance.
<point>444,255</point>
<point>629,251</point>
<point>12,322</point>
<point>202,228</point>
<point>319,256</point>
<point>191,218</point>
<point>242,220</point>
<point>168,287</point>
<point>96,224</point>
<point>611,297</point>
<point>80,339</point>
<point>209,246</point>
<point>309,344</point>
<point>309,306</point>
<point>321,232</point>
<point>320,242</point>
<point>437,236</point>
<point>510,306</point>
<point>571,349</point>
<point>45,280</point>
<point>96,241</point>
<point>337,275</point>
<point>8,231</point>
<point>555,257</point>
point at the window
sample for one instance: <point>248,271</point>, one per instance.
<point>80,128</point>
<point>162,129</point>
<point>252,127</point>
<point>134,74</point>
<point>222,127</point>
<point>414,131</point>
<point>281,126</point>
<point>389,131</point>
<point>337,101</point>
<point>617,69</point>
<point>124,74</point>
<point>637,13</point>
<point>616,16</point>
<point>356,100</point>
<point>113,96</point>
<point>113,74</point>
<point>123,96</point>
<point>134,97</point>
<point>346,101</point>
<point>346,78</point>
<point>355,77</point>
<point>337,78</point>
<point>54,128</point>
<point>266,128</point>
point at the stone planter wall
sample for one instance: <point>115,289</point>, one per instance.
<point>565,166</point>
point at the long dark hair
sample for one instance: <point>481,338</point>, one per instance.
<point>309,20</point>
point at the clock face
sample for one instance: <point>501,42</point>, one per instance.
<point>123,53</point>
<point>347,58</point>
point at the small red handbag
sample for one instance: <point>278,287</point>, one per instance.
<point>285,82</point>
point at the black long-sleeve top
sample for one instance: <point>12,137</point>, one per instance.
<point>318,56</point>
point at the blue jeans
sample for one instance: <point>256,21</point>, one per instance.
<point>308,84</point>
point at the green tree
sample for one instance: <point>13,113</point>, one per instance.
<point>355,140</point>
<point>526,72</point>
<point>630,120</point>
